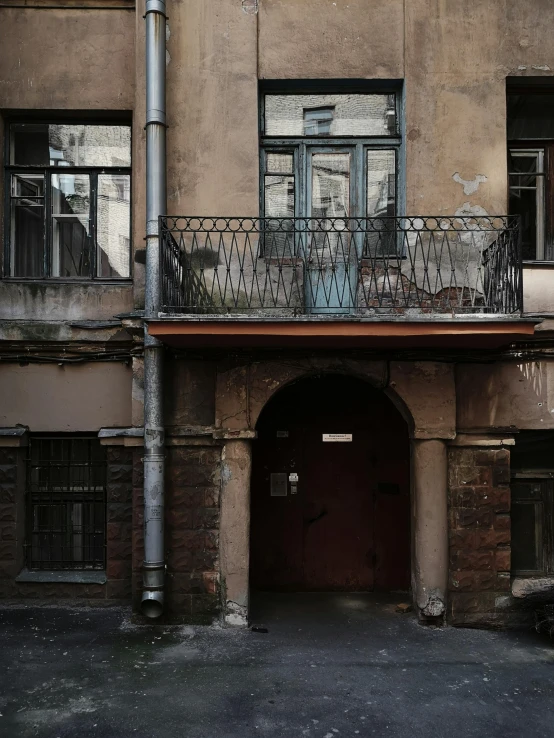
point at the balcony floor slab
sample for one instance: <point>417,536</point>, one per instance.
<point>487,332</point>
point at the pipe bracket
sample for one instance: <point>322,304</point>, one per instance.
<point>155,6</point>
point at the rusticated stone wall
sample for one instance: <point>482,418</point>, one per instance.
<point>118,551</point>
<point>11,543</point>
<point>191,536</point>
<point>479,534</point>
<point>119,522</point>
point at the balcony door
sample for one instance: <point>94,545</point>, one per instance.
<point>328,161</point>
<point>331,251</point>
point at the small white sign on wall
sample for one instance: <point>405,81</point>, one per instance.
<point>337,437</point>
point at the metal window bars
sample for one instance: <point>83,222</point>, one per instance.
<point>291,267</point>
<point>66,504</point>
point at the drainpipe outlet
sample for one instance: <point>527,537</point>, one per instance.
<point>152,600</point>
<point>152,603</point>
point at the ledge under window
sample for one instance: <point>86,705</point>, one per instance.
<point>539,586</point>
<point>62,577</point>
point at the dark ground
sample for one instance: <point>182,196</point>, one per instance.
<point>330,666</point>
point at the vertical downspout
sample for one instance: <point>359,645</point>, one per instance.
<point>152,601</point>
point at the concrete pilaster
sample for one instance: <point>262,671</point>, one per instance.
<point>430,527</point>
<point>235,529</point>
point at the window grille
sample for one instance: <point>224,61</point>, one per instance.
<point>66,504</point>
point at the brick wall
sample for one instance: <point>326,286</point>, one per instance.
<point>479,534</point>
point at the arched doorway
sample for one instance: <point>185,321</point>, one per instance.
<point>344,525</point>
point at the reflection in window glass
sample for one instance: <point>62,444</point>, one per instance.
<point>113,225</point>
<point>279,196</point>
<point>70,145</point>
<point>381,178</point>
<point>27,225</point>
<point>71,225</point>
<point>84,173</point>
<point>330,185</point>
<point>317,121</point>
<point>330,115</point>
<point>277,163</point>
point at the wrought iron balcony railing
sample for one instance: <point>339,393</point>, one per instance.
<point>291,267</point>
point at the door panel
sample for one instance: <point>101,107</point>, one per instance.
<point>348,525</point>
<point>331,194</point>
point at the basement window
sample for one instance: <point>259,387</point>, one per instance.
<point>69,192</point>
<point>66,504</point>
<point>532,504</point>
<point>532,508</point>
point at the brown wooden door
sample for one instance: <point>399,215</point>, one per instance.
<point>347,527</point>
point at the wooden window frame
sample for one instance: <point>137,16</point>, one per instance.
<point>300,145</point>
<point>544,526</point>
<point>547,247</point>
<point>47,172</point>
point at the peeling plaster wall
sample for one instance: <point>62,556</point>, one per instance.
<point>458,56</point>
<point>48,301</point>
<point>503,395</point>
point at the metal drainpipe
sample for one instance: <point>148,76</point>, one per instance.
<point>152,601</point>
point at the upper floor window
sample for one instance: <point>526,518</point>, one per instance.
<point>531,169</point>
<point>329,155</point>
<point>69,191</point>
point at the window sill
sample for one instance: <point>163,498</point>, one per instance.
<point>538,263</point>
<point>55,281</point>
<point>524,586</point>
<point>62,577</point>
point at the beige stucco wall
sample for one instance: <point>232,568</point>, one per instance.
<point>52,398</point>
<point>212,98</point>
<point>458,55</point>
<point>331,39</point>
<point>67,59</point>
<point>454,57</point>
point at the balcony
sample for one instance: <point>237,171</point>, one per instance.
<point>303,281</point>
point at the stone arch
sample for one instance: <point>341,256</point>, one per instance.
<point>423,392</point>
<point>244,390</point>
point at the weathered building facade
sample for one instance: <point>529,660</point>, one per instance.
<point>356,326</point>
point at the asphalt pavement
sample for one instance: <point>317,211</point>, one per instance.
<point>329,666</point>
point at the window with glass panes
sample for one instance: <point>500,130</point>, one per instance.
<point>532,503</point>
<point>66,503</point>
<point>329,155</point>
<point>68,201</point>
<point>530,130</point>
